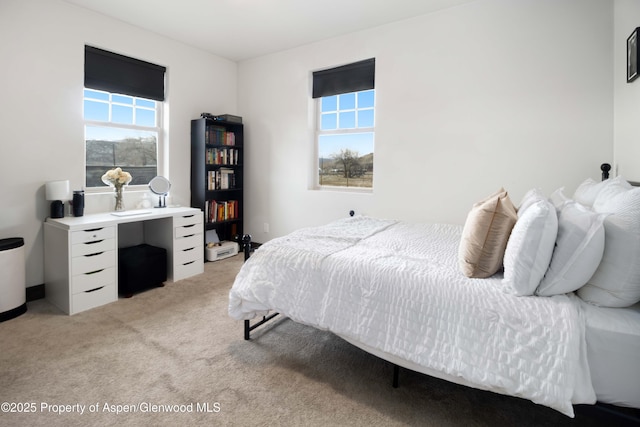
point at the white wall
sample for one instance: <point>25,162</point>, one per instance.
<point>491,93</point>
<point>41,130</point>
<point>627,95</point>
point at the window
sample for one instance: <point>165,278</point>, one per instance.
<point>120,130</point>
<point>345,104</point>
<point>345,139</point>
<point>123,99</point>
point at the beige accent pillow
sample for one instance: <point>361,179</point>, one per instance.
<point>485,235</point>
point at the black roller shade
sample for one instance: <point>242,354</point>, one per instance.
<point>347,78</point>
<point>108,71</point>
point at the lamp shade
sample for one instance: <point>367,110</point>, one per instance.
<point>57,190</point>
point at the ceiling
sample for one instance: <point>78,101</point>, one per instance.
<point>243,29</point>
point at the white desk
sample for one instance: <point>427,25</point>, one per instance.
<point>81,253</point>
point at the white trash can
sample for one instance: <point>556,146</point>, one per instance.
<point>13,293</point>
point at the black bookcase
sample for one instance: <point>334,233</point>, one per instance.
<point>217,153</point>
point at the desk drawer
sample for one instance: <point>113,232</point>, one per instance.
<point>188,242</point>
<point>96,279</point>
<point>191,268</point>
<point>85,300</point>
<point>94,247</point>
<point>179,221</point>
<point>185,256</point>
<point>92,234</point>
<point>188,230</point>
<point>89,263</point>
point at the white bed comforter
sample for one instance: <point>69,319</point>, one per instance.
<point>396,287</point>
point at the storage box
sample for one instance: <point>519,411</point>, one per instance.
<point>224,250</point>
<point>141,267</point>
<point>229,118</point>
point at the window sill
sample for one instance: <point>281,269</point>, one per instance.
<point>337,189</point>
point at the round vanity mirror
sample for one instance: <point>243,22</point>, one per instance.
<point>160,186</point>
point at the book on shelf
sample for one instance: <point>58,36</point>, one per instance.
<point>225,210</point>
<point>226,178</point>
<point>230,138</point>
<point>221,179</point>
<point>221,156</point>
<point>218,135</point>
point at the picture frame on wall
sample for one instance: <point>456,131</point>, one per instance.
<point>632,56</point>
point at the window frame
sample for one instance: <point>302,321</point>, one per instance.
<point>158,129</point>
<point>341,131</point>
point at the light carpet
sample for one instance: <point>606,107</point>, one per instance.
<point>172,356</point>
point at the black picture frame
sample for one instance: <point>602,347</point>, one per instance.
<point>632,56</point>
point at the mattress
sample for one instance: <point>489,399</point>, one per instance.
<point>613,346</point>
<point>395,290</point>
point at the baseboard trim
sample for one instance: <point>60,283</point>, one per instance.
<point>35,292</point>
<point>13,313</point>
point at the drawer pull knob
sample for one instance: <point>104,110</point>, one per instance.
<point>189,249</point>
<point>97,253</point>
<point>188,235</point>
<point>187,263</point>
<point>91,230</point>
<point>94,242</point>
<point>94,272</point>
<point>93,290</point>
<point>189,226</point>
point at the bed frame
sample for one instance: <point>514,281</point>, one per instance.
<point>248,327</point>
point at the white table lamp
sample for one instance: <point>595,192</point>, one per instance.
<point>57,192</point>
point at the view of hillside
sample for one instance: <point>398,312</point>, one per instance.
<point>136,156</point>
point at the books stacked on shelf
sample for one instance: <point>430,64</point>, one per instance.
<point>221,156</point>
<point>217,135</point>
<point>221,179</point>
<point>216,211</point>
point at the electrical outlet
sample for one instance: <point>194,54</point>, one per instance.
<point>265,227</point>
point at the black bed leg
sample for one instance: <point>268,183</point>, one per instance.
<point>396,374</point>
<point>605,168</point>
<point>247,330</point>
<point>246,246</point>
<point>248,327</point>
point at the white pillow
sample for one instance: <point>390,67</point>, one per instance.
<point>529,248</point>
<point>529,198</point>
<point>616,282</point>
<point>558,198</point>
<point>588,191</point>
<point>578,251</point>
<point>613,188</point>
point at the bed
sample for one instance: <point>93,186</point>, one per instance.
<point>402,291</point>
